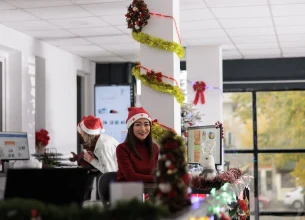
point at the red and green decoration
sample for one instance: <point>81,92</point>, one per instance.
<point>199,88</point>
<point>172,177</point>
<point>239,210</point>
<point>137,15</point>
<point>202,183</point>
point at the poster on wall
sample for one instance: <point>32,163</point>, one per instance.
<point>204,138</point>
<point>111,106</point>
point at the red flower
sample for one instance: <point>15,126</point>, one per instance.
<point>42,136</point>
<point>243,205</point>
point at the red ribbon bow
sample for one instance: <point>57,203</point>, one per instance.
<point>153,75</point>
<point>199,88</point>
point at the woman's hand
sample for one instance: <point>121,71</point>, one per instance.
<point>88,156</point>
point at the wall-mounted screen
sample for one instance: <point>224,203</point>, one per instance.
<point>111,106</point>
<point>14,146</point>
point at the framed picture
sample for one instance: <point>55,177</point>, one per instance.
<point>207,138</point>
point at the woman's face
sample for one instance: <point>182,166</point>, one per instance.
<point>84,136</point>
<point>141,128</point>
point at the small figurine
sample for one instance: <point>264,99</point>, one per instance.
<point>207,162</point>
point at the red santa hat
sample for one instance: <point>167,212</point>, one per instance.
<point>91,125</point>
<point>135,113</point>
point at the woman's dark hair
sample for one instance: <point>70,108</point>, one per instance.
<point>131,143</point>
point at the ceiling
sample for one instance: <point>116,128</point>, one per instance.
<point>96,29</point>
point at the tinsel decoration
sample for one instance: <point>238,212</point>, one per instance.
<point>158,43</point>
<point>189,116</point>
<point>199,88</point>
<point>230,176</point>
<point>158,86</point>
<point>158,130</point>
<point>137,15</point>
<point>239,210</point>
<point>172,177</point>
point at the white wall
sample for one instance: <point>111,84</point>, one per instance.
<point>61,69</point>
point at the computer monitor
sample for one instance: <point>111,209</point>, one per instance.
<point>208,137</point>
<point>14,146</point>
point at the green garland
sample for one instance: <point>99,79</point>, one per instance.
<point>158,43</point>
<point>158,86</point>
<point>16,209</point>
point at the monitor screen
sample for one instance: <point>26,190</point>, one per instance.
<point>14,146</point>
<point>204,137</point>
<point>111,106</point>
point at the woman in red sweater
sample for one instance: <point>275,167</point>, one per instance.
<point>137,156</point>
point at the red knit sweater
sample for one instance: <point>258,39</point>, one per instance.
<point>133,169</point>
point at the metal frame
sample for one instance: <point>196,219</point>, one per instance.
<point>293,86</point>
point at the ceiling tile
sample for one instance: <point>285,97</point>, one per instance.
<point>133,58</point>
<point>291,37</point>
<point>226,47</point>
<point>246,22</point>
<point>93,1</point>
<point>108,8</point>
<point>250,31</point>
<point>115,19</point>
<point>203,34</point>
<point>195,14</point>
<point>293,54</point>
<point>209,41</point>
<point>260,52</point>
<point>30,25</point>
<point>94,53</point>
<point>16,15</point>
<point>288,10</point>
<point>118,47</point>
<point>59,12</point>
<point>39,4</point>
<point>232,57</point>
<point>79,22</point>
<point>290,20</point>
<point>107,59</point>
<point>286,1</point>
<point>263,56</point>
<point>191,4</point>
<point>49,34</point>
<point>254,39</point>
<point>124,29</point>
<point>294,50</point>
<point>82,48</point>
<point>226,3</point>
<point>4,5</point>
<point>291,30</point>
<point>292,44</point>
<point>116,39</point>
<point>199,25</point>
<point>242,12</point>
<point>92,32</point>
<point>68,41</point>
<point>258,46</point>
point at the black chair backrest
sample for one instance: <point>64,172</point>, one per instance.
<point>104,186</point>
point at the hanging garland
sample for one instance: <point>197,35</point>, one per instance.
<point>230,176</point>
<point>158,131</point>
<point>158,86</point>
<point>158,43</point>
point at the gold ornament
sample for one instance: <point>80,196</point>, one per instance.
<point>158,86</point>
<point>157,133</point>
<point>158,43</point>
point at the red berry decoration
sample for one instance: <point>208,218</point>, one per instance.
<point>137,15</point>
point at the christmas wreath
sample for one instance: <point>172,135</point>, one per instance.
<point>137,15</point>
<point>230,176</point>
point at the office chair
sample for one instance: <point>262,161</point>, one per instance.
<point>104,187</point>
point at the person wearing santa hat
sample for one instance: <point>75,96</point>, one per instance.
<point>137,156</point>
<point>100,149</point>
